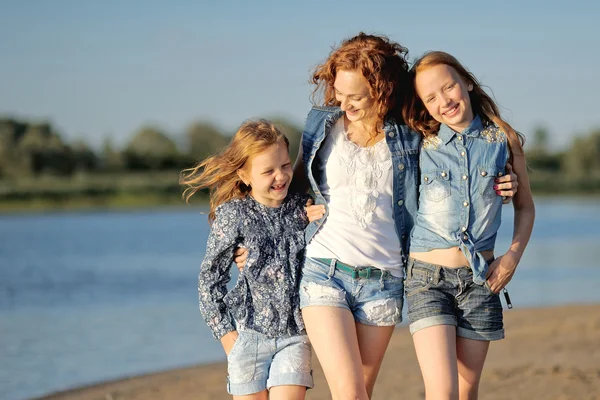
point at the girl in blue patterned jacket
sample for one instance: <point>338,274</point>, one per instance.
<point>453,279</point>
<point>258,322</point>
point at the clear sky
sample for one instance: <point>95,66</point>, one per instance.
<point>107,67</point>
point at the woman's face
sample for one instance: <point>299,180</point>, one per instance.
<point>353,92</point>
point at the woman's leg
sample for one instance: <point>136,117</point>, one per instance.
<point>287,392</point>
<point>332,332</point>
<point>372,343</point>
<point>471,357</point>
<point>436,351</point>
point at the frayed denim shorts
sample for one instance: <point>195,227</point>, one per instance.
<point>438,295</point>
<point>373,301</point>
<point>257,362</point>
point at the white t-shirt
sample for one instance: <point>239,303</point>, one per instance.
<point>357,184</point>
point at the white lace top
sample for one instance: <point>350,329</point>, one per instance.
<point>357,184</point>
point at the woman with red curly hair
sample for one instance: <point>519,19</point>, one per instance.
<point>360,162</point>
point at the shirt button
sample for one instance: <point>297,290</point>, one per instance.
<point>462,153</point>
<point>464,229</point>
<point>465,203</point>
<point>483,173</point>
<point>426,179</point>
<point>459,137</point>
<point>401,167</point>
<point>392,134</point>
<point>464,177</point>
<point>444,174</point>
<point>465,237</point>
<point>400,202</point>
<point>500,174</point>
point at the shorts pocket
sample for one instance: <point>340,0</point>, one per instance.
<point>419,280</point>
<point>236,345</point>
<point>489,289</point>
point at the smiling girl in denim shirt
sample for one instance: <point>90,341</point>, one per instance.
<point>258,322</point>
<point>453,280</point>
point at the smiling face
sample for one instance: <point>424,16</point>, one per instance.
<point>445,96</point>
<point>269,174</point>
<point>353,93</point>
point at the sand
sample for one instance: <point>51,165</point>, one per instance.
<point>548,353</point>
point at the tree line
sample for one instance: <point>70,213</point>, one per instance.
<point>36,162</point>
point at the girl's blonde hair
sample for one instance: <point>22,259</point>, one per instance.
<point>219,172</point>
<point>383,64</point>
<point>418,119</point>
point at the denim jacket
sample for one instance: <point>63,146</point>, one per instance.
<point>265,296</point>
<point>458,204</point>
<point>404,148</point>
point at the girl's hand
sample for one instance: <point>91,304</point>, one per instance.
<point>501,271</point>
<point>228,340</point>
<point>239,257</point>
<point>506,186</point>
<point>314,212</point>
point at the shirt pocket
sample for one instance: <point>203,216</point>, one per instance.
<point>435,185</point>
<point>486,176</point>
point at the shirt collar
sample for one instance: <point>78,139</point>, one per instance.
<point>446,133</point>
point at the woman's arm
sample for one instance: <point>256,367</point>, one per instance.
<point>503,268</point>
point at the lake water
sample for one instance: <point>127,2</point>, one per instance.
<point>86,297</point>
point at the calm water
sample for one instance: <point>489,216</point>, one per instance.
<point>86,297</point>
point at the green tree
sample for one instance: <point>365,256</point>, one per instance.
<point>204,139</point>
<point>152,149</point>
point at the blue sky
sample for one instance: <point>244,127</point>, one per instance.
<point>97,68</point>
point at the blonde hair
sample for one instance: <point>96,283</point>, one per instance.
<point>418,119</point>
<point>219,172</point>
<point>381,62</point>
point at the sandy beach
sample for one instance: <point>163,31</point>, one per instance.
<point>548,353</point>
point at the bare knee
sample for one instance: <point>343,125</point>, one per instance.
<point>442,392</point>
<point>349,393</point>
<point>469,390</point>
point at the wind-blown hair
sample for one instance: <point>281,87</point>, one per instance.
<point>418,119</point>
<point>219,172</point>
<point>382,63</point>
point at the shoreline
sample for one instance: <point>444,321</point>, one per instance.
<point>548,352</point>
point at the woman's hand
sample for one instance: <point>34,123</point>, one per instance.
<point>501,271</point>
<point>506,186</point>
<point>314,212</point>
<point>239,257</point>
<point>228,340</point>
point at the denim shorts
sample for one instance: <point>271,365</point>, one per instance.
<point>257,362</point>
<point>373,301</point>
<point>438,295</point>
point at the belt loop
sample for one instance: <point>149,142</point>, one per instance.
<point>368,272</point>
<point>409,268</point>
<point>331,267</point>
<point>436,274</point>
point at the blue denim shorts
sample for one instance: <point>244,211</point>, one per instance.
<point>257,362</point>
<point>438,295</point>
<point>373,301</point>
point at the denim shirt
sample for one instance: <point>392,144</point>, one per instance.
<point>265,297</point>
<point>404,148</point>
<point>458,204</point>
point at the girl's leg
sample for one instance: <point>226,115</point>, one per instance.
<point>471,357</point>
<point>372,343</point>
<point>287,392</point>
<point>436,351</point>
<point>332,332</point>
<point>264,395</point>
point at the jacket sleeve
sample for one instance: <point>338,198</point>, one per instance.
<point>215,271</point>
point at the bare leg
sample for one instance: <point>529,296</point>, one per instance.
<point>332,332</point>
<point>287,392</point>
<point>471,357</point>
<point>372,343</point>
<point>436,351</point>
<point>264,395</point>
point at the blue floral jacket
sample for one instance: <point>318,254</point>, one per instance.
<point>265,297</point>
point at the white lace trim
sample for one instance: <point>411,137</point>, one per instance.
<point>365,167</point>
